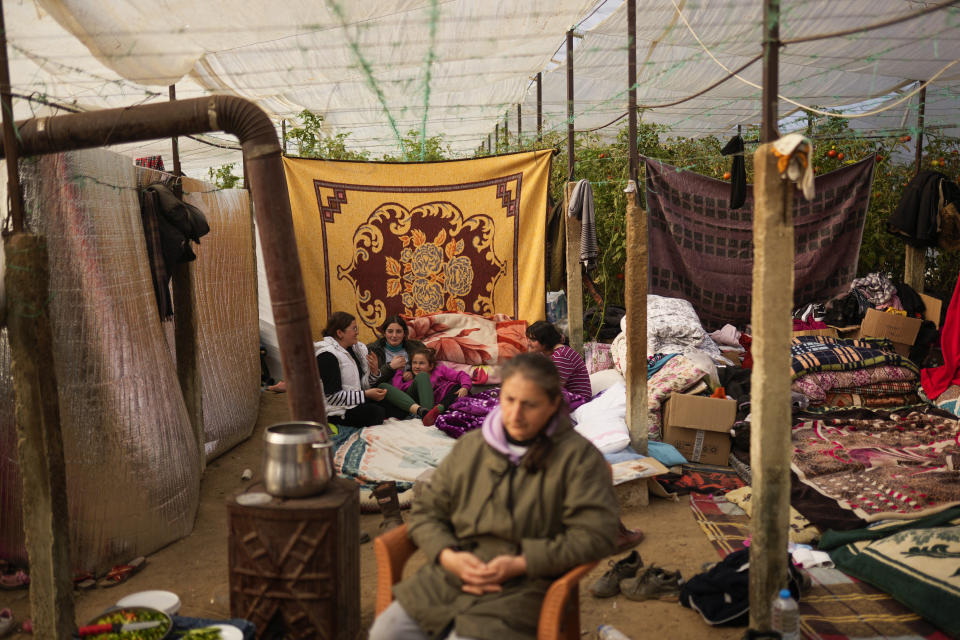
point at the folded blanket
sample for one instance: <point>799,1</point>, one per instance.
<point>844,400</point>
<point>816,384</point>
<point>820,353</point>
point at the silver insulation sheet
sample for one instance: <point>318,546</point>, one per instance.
<point>133,469</point>
<point>228,340</point>
<point>224,278</point>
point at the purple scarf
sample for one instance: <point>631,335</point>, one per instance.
<point>496,436</point>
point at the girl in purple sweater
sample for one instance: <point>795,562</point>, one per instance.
<point>428,380</point>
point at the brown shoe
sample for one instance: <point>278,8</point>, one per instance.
<point>653,584</point>
<point>628,538</point>
<point>386,496</point>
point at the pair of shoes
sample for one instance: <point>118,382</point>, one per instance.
<point>608,585</point>
<point>628,538</point>
<point>386,496</point>
<point>6,622</point>
<point>431,416</point>
<point>653,584</point>
<point>16,580</point>
<point>121,573</point>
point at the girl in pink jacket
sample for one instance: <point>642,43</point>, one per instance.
<point>429,380</point>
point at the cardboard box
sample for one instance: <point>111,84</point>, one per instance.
<point>900,330</point>
<point>699,427</point>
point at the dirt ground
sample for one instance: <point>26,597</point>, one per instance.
<point>196,567</point>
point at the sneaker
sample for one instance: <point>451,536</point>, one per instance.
<point>654,584</point>
<point>608,585</point>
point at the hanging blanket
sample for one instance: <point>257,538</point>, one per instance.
<point>820,353</point>
<point>903,466</point>
<point>377,239</point>
<point>702,251</point>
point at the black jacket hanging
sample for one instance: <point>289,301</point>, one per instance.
<point>738,172</point>
<point>169,225</point>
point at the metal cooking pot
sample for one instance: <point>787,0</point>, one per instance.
<point>297,459</point>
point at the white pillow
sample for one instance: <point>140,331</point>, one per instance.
<point>603,421</point>
<point>603,380</point>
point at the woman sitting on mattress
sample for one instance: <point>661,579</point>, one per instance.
<point>513,506</point>
<point>543,337</point>
<point>345,366</point>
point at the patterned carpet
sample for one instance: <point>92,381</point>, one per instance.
<point>837,607</point>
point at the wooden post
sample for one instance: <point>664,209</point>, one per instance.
<point>539,106</point>
<point>506,130</point>
<point>915,258</point>
<point>770,383</point>
<point>46,518</point>
<point>496,137</point>
<point>185,325</point>
<point>11,146</point>
<point>571,157</point>
<point>636,300</point>
<point>574,276</point>
<point>283,133</point>
<point>519,125</point>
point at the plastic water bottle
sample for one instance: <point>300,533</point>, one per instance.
<point>609,632</point>
<point>786,619</point>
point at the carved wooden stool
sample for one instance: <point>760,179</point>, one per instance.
<point>295,564</point>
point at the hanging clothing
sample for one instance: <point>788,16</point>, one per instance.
<point>738,171</point>
<point>582,207</point>
<point>917,216</point>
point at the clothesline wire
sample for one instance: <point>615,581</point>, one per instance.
<point>798,104</point>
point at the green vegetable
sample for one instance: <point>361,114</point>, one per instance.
<point>134,614</point>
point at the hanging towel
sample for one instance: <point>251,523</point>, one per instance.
<point>581,206</point>
<point>738,172</point>
<point>794,152</point>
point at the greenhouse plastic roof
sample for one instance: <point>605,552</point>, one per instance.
<point>378,70</point>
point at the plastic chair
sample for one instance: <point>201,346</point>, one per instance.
<point>559,615</point>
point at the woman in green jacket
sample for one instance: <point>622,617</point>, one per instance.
<point>513,506</point>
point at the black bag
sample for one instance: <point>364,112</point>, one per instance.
<point>722,594</point>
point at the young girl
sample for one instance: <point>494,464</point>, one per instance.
<point>427,381</point>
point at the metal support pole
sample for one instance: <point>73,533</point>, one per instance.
<point>632,102</point>
<point>10,136</point>
<point>771,67</point>
<point>283,134</point>
<point>915,258</point>
<point>519,125</point>
<point>772,302</point>
<point>178,188</point>
<point>489,146</point>
<point>506,130</point>
<point>539,106</point>
<point>571,160</point>
<point>496,137</point>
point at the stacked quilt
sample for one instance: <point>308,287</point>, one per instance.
<point>852,373</point>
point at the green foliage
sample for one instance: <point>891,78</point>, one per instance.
<point>313,142</point>
<point>223,177</point>
<point>431,150</point>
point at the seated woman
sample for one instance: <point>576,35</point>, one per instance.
<point>543,337</point>
<point>513,506</point>
<point>393,349</point>
<point>426,381</point>
<point>344,366</point>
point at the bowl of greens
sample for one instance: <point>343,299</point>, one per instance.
<point>121,617</point>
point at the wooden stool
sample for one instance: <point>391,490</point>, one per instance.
<point>296,563</point>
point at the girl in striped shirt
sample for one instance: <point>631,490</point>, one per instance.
<point>544,338</point>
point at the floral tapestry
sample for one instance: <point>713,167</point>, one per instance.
<point>375,239</point>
